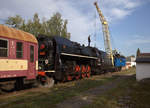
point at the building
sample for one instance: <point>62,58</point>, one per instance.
<point>143,66</point>
<point>130,62</point>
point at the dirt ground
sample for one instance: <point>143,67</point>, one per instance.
<point>82,93</point>
<point>88,97</point>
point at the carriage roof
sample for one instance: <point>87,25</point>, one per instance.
<point>16,34</point>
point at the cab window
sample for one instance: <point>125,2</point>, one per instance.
<point>31,53</point>
<point>3,48</point>
<point>19,50</point>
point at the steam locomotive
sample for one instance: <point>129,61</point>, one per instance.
<point>25,59</point>
<point>66,60</point>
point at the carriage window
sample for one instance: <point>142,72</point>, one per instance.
<point>31,53</point>
<point>3,48</point>
<point>19,50</point>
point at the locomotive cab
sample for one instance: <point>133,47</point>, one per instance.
<point>46,54</point>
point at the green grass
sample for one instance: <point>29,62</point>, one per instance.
<point>128,94</point>
<point>113,98</point>
<point>46,98</point>
<point>140,94</point>
<point>126,72</point>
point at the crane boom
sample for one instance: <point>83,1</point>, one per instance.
<point>106,33</point>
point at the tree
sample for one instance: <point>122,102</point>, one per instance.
<point>36,25</point>
<point>138,52</point>
<point>55,26</point>
<point>29,27</point>
<point>23,26</point>
<point>15,22</point>
<point>64,30</point>
<point>44,27</point>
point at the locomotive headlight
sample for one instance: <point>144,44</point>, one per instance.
<point>46,61</point>
<point>40,67</point>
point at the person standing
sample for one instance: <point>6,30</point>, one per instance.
<point>89,40</point>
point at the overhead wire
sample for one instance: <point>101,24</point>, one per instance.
<point>112,40</point>
<point>111,37</point>
<point>95,34</point>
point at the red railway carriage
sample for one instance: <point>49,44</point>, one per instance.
<point>18,55</point>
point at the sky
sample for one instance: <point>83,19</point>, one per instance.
<point>129,20</point>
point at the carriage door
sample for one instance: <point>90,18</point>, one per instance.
<point>31,62</point>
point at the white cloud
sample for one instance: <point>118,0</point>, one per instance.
<point>131,5</point>
<point>138,40</point>
<point>116,10</point>
<point>4,13</point>
<point>119,13</point>
<point>122,3</point>
<point>80,13</point>
<point>131,45</point>
<point>142,41</point>
<point>79,24</point>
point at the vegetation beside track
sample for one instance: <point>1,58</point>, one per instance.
<point>126,94</point>
<point>45,98</point>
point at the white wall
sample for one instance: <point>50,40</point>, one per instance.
<point>133,59</point>
<point>142,71</point>
<point>133,64</point>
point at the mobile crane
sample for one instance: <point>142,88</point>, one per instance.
<point>106,33</point>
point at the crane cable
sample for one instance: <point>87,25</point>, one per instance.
<point>95,35</point>
<point>95,26</point>
<point>111,38</point>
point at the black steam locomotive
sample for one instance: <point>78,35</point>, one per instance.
<point>25,60</point>
<point>65,60</point>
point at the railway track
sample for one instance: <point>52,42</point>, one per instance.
<point>30,87</point>
<point>26,87</point>
<point>17,94</point>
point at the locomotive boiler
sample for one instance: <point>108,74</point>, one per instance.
<point>65,60</point>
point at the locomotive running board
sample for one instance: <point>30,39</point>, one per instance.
<point>79,56</point>
<point>50,71</point>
